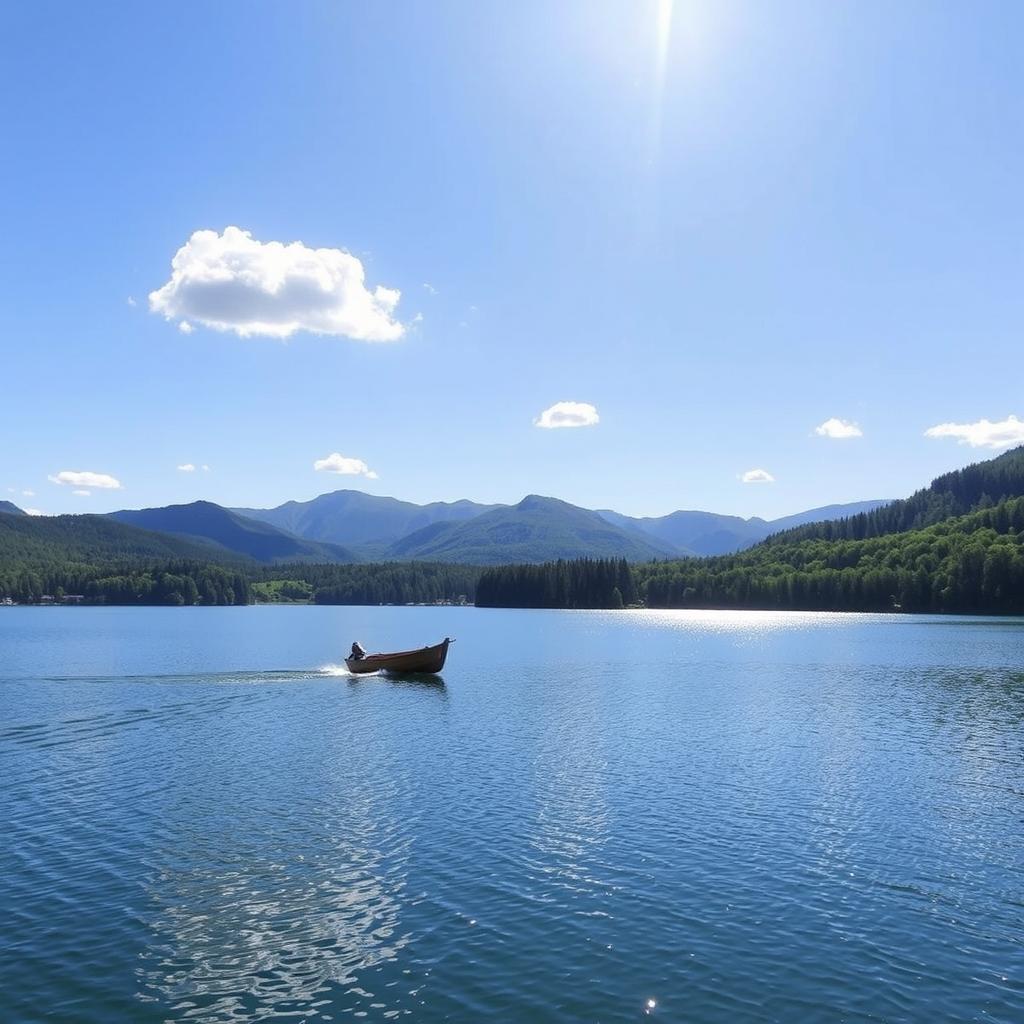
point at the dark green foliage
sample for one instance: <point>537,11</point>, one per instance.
<point>579,583</point>
<point>952,494</point>
<point>104,561</point>
<point>56,540</point>
<point>972,563</point>
<point>387,583</point>
<point>281,592</point>
<point>174,583</point>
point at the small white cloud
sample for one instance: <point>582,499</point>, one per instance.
<point>76,478</point>
<point>337,463</point>
<point>185,327</point>
<point>186,467</point>
<point>417,319</point>
<point>983,434</point>
<point>81,493</point>
<point>757,476</point>
<point>232,282</point>
<point>839,429</point>
<point>429,288</point>
<point>568,414</point>
<point>33,512</point>
<point>206,468</point>
<point>131,301</point>
<point>27,494</point>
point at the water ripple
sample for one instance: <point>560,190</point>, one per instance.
<point>748,820</point>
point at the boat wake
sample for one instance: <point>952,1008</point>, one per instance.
<point>334,670</point>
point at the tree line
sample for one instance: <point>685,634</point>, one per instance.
<point>172,583</point>
<point>199,583</point>
<point>383,582</point>
<point>971,563</point>
<point>573,583</point>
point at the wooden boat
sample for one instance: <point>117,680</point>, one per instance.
<point>426,659</point>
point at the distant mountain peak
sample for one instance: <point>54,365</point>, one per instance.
<point>542,501</point>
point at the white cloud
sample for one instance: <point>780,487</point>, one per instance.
<point>185,327</point>
<point>131,301</point>
<point>232,282</point>
<point>429,288</point>
<point>75,478</point>
<point>186,467</point>
<point>757,476</point>
<point>206,468</point>
<point>568,414</point>
<point>838,429</point>
<point>337,463</point>
<point>81,493</point>
<point>983,434</point>
<point>28,494</point>
<point>33,512</point>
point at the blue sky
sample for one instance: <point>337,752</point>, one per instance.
<point>719,236</point>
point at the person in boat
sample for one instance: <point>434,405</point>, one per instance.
<point>357,652</point>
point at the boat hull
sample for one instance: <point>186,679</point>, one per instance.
<point>427,659</point>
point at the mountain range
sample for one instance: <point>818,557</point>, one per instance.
<point>535,529</point>
<point>351,526</point>
<point>227,530</point>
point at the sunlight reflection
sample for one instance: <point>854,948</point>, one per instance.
<point>752,622</point>
<point>254,926</point>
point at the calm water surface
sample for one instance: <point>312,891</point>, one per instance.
<point>742,817</point>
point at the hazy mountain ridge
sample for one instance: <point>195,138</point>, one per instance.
<point>709,533</point>
<point>207,522</point>
<point>538,529</point>
<point>354,518</point>
<point>9,508</point>
<point>374,527</point>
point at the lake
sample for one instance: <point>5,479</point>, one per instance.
<point>596,816</point>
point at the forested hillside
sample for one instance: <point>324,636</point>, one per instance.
<point>54,541</point>
<point>103,561</point>
<point>970,563</point>
<point>980,485</point>
<point>205,521</point>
